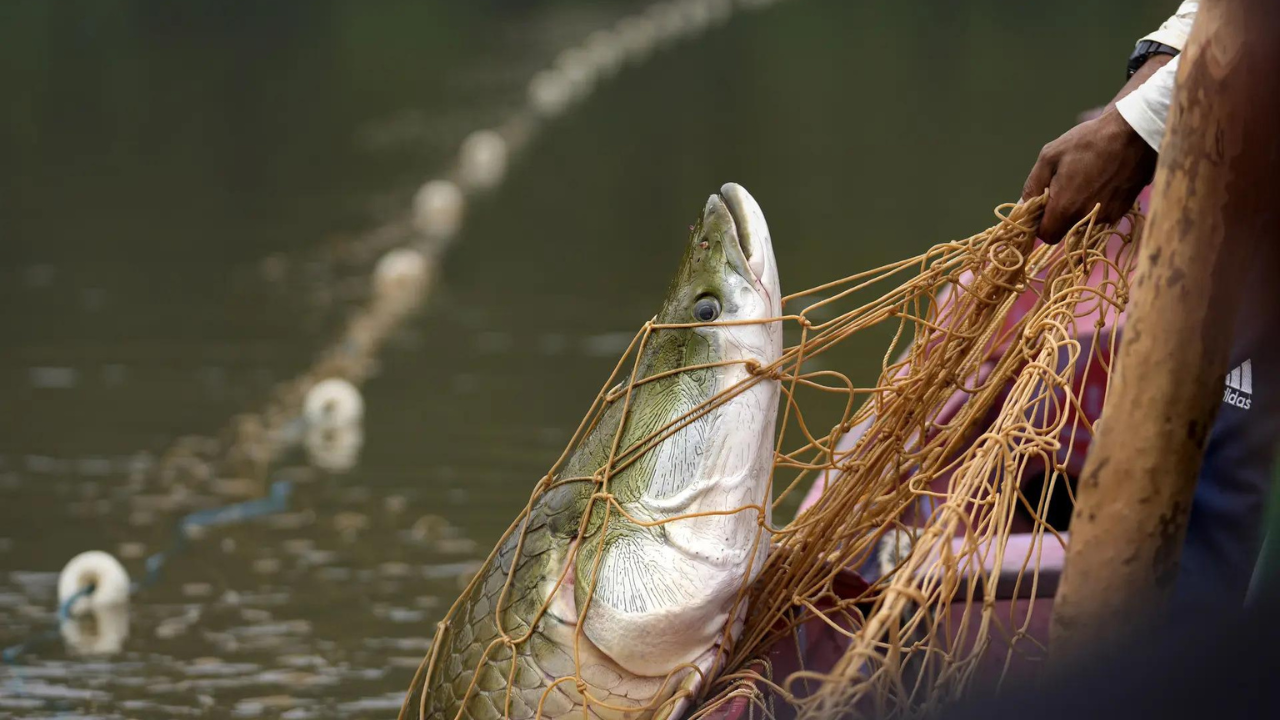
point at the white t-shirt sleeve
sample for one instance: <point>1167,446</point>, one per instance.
<point>1146,109</point>
<point>1175,30</point>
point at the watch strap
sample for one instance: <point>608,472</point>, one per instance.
<point>1143,52</point>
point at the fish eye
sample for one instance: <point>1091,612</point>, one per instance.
<point>706,309</point>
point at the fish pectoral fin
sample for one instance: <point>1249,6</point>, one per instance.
<point>646,605</point>
<point>704,668</point>
<point>675,706</point>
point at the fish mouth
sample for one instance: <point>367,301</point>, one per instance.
<point>736,209</point>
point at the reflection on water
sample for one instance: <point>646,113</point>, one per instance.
<point>183,187</point>
<point>101,631</point>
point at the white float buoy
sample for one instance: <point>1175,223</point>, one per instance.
<point>438,208</point>
<point>668,20</point>
<point>606,51</point>
<point>550,92</point>
<point>482,160</point>
<point>333,402</point>
<point>638,36</point>
<point>720,10</point>
<point>399,272</point>
<point>97,570</point>
<point>334,448</point>
<point>579,71</point>
<point>696,15</point>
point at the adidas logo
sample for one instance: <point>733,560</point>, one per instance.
<point>1239,390</point>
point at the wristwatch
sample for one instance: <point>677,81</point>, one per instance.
<point>1143,52</point>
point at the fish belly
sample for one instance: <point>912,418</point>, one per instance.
<point>483,673</point>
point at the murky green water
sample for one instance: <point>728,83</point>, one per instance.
<point>180,183</point>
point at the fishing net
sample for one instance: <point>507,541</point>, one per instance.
<point>914,572</point>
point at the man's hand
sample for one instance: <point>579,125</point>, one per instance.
<point>1100,161</point>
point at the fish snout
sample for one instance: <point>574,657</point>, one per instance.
<point>752,231</point>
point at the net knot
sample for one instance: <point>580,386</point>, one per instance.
<point>1033,340</point>
<point>616,392</point>
<point>755,368</point>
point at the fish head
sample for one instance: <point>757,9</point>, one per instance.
<point>718,323</point>
<point>727,286</point>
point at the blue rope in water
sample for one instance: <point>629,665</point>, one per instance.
<point>12,652</point>
<point>64,610</point>
<point>276,501</point>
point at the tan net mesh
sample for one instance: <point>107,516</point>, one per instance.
<point>925,474</point>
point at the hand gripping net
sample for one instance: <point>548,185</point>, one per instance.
<point>975,395</point>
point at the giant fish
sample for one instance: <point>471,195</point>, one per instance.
<point>589,609</point>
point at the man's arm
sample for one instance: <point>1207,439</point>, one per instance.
<point>1108,160</point>
<point>1103,160</point>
